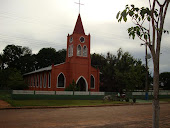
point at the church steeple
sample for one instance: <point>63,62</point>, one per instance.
<point>78,29</point>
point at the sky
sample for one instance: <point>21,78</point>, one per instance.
<point>46,23</point>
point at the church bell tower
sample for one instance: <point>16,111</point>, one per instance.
<point>78,43</point>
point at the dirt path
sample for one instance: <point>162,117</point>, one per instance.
<point>4,104</point>
<point>131,116</point>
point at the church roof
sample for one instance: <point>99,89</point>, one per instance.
<point>39,70</point>
<point>42,69</point>
<point>78,29</point>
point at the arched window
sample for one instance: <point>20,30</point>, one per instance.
<point>30,81</point>
<point>49,80</point>
<point>34,80</point>
<point>45,80</point>
<point>85,51</point>
<point>69,51</point>
<point>41,81</point>
<point>37,81</point>
<point>92,85</point>
<point>61,81</point>
<point>78,50</point>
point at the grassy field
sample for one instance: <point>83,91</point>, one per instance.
<point>167,100</point>
<point>21,103</point>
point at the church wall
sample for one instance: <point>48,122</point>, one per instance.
<point>36,81</point>
<point>95,73</point>
<point>56,70</point>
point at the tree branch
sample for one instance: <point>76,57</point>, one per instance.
<point>166,7</point>
<point>142,39</point>
<point>157,2</point>
<point>150,4</point>
<point>153,24</point>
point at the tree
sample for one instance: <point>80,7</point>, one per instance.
<point>16,81</point>
<point>129,72</point>
<point>12,79</point>
<point>27,63</point>
<point>1,62</point>
<point>165,80</point>
<point>108,74</point>
<point>46,57</point>
<point>98,61</point>
<point>11,55</point>
<point>17,57</point>
<point>151,36</point>
<point>61,56</point>
<point>121,71</point>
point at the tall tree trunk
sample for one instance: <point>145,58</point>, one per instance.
<point>155,103</point>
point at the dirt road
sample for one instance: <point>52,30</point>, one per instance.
<point>4,104</point>
<point>131,116</point>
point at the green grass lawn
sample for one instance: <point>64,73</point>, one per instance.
<point>21,103</point>
<point>167,100</point>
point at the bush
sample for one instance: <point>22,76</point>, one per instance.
<point>127,99</point>
<point>134,100</point>
<point>12,79</point>
<point>72,87</point>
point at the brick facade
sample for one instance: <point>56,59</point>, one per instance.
<point>77,67</point>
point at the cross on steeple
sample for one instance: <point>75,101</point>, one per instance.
<point>79,5</point>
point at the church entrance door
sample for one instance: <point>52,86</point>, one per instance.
<point>82,84</point>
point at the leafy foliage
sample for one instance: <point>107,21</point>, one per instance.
<point>46,57</point>
<point>139,16</point>
<point>72,87</point>
<point>120,72</point>
<point>22,59</point>
<point>165,80</point>
<point>12,79</point>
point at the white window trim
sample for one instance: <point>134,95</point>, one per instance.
<point>64,80</point>
<point>83,51</point>
<point>80,50</point>
<point>90,81</point>
<point>85,81</point>
<point>70,50</point>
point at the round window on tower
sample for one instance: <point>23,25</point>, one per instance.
<point>82,39</point>
<point>71,39</point>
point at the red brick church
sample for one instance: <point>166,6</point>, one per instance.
<point>77,67</point>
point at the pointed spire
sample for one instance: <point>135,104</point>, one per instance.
<point>78,29</point>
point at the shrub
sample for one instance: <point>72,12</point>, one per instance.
<point>134,100</point>
<point>72,87</point>
<point>127,99</point>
